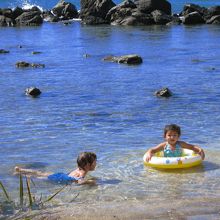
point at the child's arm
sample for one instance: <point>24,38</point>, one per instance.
<point>83,181</point>
<point>195,148</point>
<point>154,150</point>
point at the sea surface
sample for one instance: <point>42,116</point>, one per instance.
<point>88,104</point>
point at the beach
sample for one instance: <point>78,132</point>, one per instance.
<point>156,209</point>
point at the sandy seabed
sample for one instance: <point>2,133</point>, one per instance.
<point>194,209</point>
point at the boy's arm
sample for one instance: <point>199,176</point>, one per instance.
<point>83,181</point>
<point>195,148</point>
<point>154,150</point>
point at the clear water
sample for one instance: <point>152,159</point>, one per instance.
<point>91,105</point>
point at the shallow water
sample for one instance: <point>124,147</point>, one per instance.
<point>91,105</point>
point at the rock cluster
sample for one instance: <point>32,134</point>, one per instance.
<point>145,12</point>
<point>195,14</point>
<point>35,17</point>
<point>20,17</point>
<point>141,12</point>
<point>129,12</point>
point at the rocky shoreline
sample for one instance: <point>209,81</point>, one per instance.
<point>96,12</point>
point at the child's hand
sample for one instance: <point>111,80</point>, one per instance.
<point>90,182</point>
<point>148,156</point>
<point>201,153</point>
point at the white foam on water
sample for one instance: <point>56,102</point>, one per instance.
<point>26,5</point>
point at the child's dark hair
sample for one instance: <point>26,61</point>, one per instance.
<point>86,158</point>
<point>172,127</point>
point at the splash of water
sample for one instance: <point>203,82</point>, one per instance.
<point>26,4</point>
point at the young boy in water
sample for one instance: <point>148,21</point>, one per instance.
<point>86,162</point>
<point>172,147</point>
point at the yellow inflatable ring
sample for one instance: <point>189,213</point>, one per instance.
<point>188,159</point>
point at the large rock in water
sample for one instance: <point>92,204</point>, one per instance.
<point>212,11</point>
<point>214,20</point>
<point>142,12</point>
<point>147,6</point>
<point>5,21</point>
<point>215,10</point>
<point>132,59</point>
<point>29,18</point>
<point>193,18</point>
<point>95,11</point>
<point>127,13</point>
<point>65,10</point>
<point>189,8</point>
<point>160,17</point>
<point>17,12</point>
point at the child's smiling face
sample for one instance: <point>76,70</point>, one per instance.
<point>172,137</point>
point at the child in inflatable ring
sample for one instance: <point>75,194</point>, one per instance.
<point>172,147</point>
<point>86,162</point>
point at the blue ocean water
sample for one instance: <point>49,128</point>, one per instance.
<point>91,105</point>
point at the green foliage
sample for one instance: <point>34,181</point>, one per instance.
<point>29,192</point>
<point>5,192</point>
<point>21,191</point>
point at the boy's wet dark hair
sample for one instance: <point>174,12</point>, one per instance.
<point>86,158</point>
<point>172,127</point>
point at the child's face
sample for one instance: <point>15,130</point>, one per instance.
<point>92,166</point>
<point>172,137</point>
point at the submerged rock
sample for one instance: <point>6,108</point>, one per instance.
<point>32,91</point>
<point>23,64</point>
<point>164,92</point>
<point>36,52</point>
<point>86,55</point>
<point>3,51</point>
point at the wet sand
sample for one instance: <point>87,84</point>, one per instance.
<point>202,208</point>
